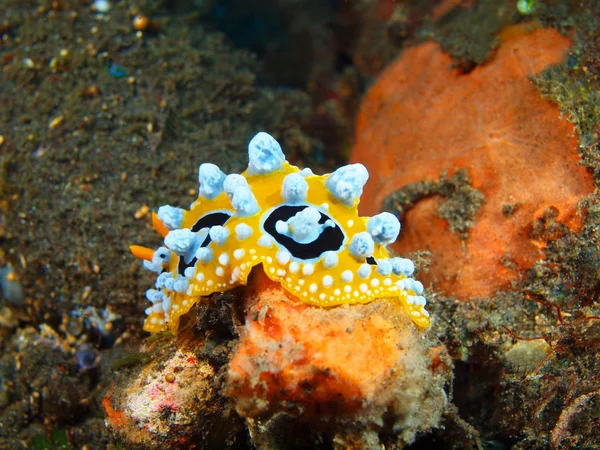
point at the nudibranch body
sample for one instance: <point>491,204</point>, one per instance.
<point>303,228</point>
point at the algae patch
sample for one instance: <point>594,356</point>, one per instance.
<point>469,33</point>
<point>462,200</point>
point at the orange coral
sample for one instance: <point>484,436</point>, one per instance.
<point>424,118</point>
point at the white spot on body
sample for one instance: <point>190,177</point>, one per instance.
<point>330,259</point>
<point>243,231</point>
<point>384,228</point>
<point>362,245</point>
<point>308,269</point>
<point>327,281</point>
<point>180,241</point>
<point>265,241</point>
<point>283,257</point>
<point>364,271</point>
<point>304,226</point>
<point>170,216</point>
<point>282,227</point>
<point>294,188</point>
<point>204,254</point>
<point>347,276</point>
<point>224,259</point>
<point>384,267</point>
<point>417,286</point>
<point>402,266</point>
<point>219,234</point>
<point>346,183</point>
<point>154,296</point>
<point>264,154</point>
<point>211,180</point>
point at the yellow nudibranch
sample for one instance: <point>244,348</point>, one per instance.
<point>303,228</point>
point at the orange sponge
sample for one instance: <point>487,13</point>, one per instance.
<point>293,352</point>
<point>334,368</point>
<point>424,119</point>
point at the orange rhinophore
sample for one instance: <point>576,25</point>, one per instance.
<point>159,226</point>
<point>140,252</point>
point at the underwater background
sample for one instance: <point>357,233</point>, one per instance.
<point>478,121</point>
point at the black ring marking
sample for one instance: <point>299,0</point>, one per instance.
<point>331,239</point>
<point>207,221</point>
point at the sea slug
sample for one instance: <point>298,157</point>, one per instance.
<point>303,228</point>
